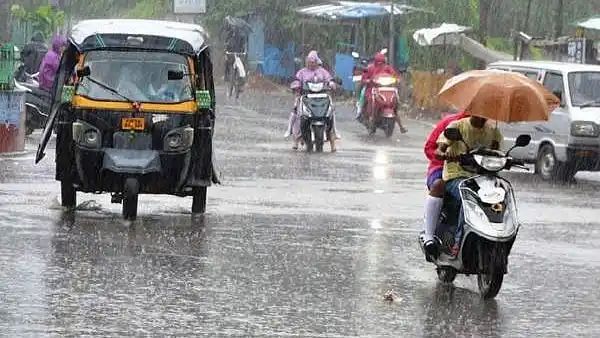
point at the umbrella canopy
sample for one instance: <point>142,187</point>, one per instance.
<point>447,33</point>
<point>499,95</point>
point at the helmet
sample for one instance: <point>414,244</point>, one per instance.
<point>379,58</point>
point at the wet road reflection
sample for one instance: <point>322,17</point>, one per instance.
<point>293,244</point>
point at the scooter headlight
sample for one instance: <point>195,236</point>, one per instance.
<point>179,139</point>
<point>491,163</point>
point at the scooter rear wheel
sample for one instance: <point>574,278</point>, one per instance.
<point>446,274</point>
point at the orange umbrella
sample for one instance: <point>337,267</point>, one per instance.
<point>499,95</point>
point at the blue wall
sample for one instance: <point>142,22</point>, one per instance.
<point>278,62</point>
<point>343,69</point>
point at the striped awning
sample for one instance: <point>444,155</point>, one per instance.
<point>350,10</point>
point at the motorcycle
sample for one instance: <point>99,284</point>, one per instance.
<point>37,101</point>
<point>382,110</point>
<point>238,75</point>
<point>490,224</point>
<point>316,113</point>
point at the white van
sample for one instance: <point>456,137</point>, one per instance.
<point>570,140</point>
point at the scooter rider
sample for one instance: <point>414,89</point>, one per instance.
<point>435,184</point>
<point>379,66</point>
<point>476,133</point>
<point>312,70</point>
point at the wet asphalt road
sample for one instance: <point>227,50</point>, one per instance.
<point>292,244</point>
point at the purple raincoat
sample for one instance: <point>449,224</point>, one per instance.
<point>50,63</point>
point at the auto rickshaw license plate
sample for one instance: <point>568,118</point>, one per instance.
<point>133,123</point>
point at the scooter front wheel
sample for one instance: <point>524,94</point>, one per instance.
<point>490,284</point>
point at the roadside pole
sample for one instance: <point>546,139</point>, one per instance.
<point>391,49</point>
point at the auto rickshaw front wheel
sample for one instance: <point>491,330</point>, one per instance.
<point>199,202</point>
<point>131,190</point>
<point>68,195</point>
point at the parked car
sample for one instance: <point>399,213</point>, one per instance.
<point>570,140</point>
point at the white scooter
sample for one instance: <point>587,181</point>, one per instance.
<point>490,224</point>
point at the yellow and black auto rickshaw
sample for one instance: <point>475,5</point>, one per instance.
<point>134,112</point>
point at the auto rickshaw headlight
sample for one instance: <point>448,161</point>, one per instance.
<point>179,139</point>
<point>86,135</point>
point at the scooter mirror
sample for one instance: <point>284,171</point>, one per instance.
<point>453,134</point>
<point>523,141</point>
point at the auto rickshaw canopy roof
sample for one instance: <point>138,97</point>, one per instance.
<point>177,36</point>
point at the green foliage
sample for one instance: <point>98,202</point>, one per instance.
<point>500,44</point>
<point>44,18</point>
<point>146,9</point>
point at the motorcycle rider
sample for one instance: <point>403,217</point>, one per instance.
<point>435,184</point>
<point>313,70</point>
<point>51,62</point>
<point>476,133</point>
<point>33,52</point>
<point>379,66</point>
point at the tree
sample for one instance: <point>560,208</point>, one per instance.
<point>558,19</point>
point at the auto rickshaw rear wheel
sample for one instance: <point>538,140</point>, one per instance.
<point>131,190</point>
<point>199,201</point>
<point>68,195</point>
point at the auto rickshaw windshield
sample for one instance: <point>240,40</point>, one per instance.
<point>138,76</point>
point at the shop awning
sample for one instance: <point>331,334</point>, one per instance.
<point>592,23</point>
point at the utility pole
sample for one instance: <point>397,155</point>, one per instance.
<point>391,49</point>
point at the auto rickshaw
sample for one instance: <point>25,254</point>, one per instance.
<point>134,112</point>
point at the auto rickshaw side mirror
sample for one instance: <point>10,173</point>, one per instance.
<point>84,72</point>
<point>453,134</point>
<point>175,75</point>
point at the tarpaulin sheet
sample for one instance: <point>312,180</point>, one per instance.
<point>343,68</point>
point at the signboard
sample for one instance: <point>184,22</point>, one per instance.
<point>189,6</point>
<point>576,50</point>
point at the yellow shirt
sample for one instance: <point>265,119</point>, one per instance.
<point>473,137</point>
